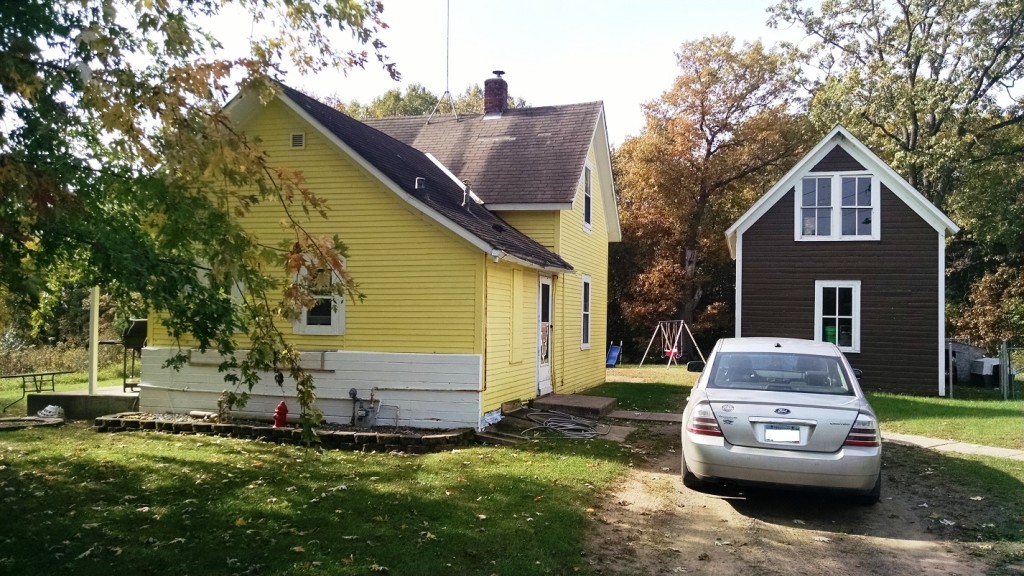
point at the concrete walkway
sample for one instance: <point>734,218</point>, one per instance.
<point>908,439</point>
<point>953,446</point>
<point>646,416</point>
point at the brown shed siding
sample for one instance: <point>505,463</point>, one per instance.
<point>837,160</point>
<point>899,291</point>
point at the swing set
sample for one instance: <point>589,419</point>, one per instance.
<point>671,332</point>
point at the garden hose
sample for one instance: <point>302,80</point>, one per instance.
<point>566,424</point>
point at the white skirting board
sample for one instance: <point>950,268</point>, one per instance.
<point>410,390</point>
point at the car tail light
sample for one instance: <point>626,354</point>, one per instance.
<point>702,421</point>
<point>863,433</point>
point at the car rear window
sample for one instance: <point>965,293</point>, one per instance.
<point>783,372</point>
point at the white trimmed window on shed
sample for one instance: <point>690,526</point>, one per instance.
<point>588,200</point>
<point>586,300</point>
<point>838,207</point>
<point>837,313</point>
<point>326,317</point>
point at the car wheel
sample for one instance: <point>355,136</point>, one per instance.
<point>872,497</point>
<point>689,479</point>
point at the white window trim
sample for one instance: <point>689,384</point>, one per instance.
<point>819,286</point>
<point>337,325</point>
<point>837,209</point>
<point>586,312</point>
<point>588,195</point>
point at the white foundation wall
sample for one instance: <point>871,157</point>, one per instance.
<point>409,390</point>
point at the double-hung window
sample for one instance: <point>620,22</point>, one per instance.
<point>588,202</point>
<point>585,337</point>
<point>816,207</point>
<point>837,313</point>
<point>856,206</point>
<point>838,207</point>
<point>326,317</point>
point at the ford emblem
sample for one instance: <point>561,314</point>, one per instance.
<point>782,411</point>
<point>727,408</point>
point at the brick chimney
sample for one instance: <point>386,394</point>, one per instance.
<point>495,94</point>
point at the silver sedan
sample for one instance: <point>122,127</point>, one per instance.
<point>784,412</point>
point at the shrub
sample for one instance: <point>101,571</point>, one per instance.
<point>17,359</point>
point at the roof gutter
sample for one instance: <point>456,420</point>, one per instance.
<point>498,255</point>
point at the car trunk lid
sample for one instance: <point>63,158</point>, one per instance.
<point>782,420</point>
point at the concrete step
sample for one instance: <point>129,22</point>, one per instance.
<point>81,406</point>
<point>499,438</point>
<point>514,423</point>
<point>593,407</point>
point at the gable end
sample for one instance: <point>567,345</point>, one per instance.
<point>838,160</point>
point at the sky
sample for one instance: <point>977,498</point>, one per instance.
<point>552,51</point>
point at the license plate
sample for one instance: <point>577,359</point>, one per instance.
<point>782,433</point>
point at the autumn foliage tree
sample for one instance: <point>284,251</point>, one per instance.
<point>932,86</point>
<point>711,145</point>
<point>417,100</point>
<point>119,167</point>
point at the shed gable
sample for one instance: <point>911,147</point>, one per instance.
<point>899,296</point>
<point>837,160</point>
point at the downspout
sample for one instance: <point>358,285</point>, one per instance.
<point>483,337</point>
<point>561,359</point>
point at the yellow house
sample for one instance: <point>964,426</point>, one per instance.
<point>480,242</point>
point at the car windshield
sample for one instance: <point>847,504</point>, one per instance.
<point>780,372</point>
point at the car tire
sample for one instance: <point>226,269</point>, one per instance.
<point>871,498</point>
<point>689,479</point>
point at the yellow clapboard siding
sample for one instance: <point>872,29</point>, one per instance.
<point>422,282</point>
<point>575,368</point>
<point>510,378</point>
<point>542,226</point>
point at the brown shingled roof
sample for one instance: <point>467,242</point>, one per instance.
<point>403,165</point>
<point>524,156</point>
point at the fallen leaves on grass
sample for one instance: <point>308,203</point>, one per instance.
<point>86,553</point>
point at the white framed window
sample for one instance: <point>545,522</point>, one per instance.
<point>586,298</point>
<point>588,201</point>
<point>837,313</point>
<point>838,207</point>
<point>326,317</point>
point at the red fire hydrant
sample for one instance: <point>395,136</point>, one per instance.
<point>281,415</point>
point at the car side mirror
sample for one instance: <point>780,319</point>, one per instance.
<point>695,366</point>
<point>858,373</point>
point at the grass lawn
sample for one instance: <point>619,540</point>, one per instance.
<point>975,416</point>
<point>10,389</point>
<point>649,389</point>
<point>964,478</point>
<point>77,502</point>
<point>991,422</point>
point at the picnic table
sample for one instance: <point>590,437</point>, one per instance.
<point>37,380</point>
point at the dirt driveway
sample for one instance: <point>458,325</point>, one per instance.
<point>654,525</point>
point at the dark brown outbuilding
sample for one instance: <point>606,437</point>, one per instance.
<point>843,249</point>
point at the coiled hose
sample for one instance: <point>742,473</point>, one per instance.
<point>565,424</point>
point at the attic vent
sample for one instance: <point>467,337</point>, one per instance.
<point>498,227</point>
<point>420,183</point>
<point>299,140</point>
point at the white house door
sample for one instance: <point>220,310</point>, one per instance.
<point>544,302</point>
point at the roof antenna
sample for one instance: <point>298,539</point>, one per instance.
<point>447,43</point>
